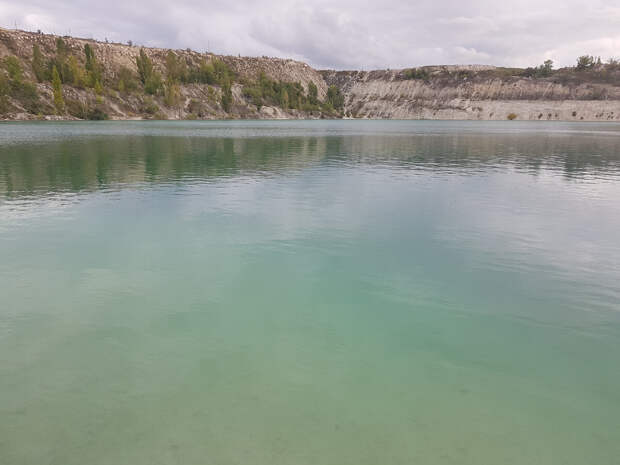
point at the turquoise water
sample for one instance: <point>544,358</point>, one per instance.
<point>323,292</point>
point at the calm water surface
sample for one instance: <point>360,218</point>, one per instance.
<point>309,293</point>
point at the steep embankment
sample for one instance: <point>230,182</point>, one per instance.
<point>126,82</point>
<point>258,87</point>
<point>479,93</point>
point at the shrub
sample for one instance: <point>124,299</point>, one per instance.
<point>126,80</point>
<point>416,73</point>
<point>97,114</point>
<point>544,70</point>
<point>76,108</point>
<point>13,67</point>
<point>149,106</point>
<point>26,93</point>
<point>309,107</point>
<point>98,88</point>
<point>197,108</point>
<point>255,95</point>
<point>23,91</point>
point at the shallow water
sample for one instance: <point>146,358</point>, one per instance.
<point>324,292</point>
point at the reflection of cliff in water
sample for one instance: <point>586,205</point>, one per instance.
<point>573,155</point>
<point>91,163</point>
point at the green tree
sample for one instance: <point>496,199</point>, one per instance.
<point>4,85</point>
<point>14,85</point>
<point>59,101</point>
<point>4,90</point>
<point>547,66</point>
<point>227,97</point>
<point>335,98</point>
<point>61,47</point>
<point>78,78</point>
<point>208,72</point>
<point>153,83</point>
<point>544,70</point>
<point>149,77</point>
<point>176,68</point>
<point>223,74</point>
<point>145,66</point>
<point>172,93</point>
<point>98,88</point>
<point>91,60</point>
<point>94,70</point>
<point>38,65</point>
<point>62,52</point>
<point>313,93</point>
<point>203,74</point>
<point>585,62</point>
<point>284,99</point>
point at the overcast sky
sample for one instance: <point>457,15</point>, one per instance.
<point>344,34</point>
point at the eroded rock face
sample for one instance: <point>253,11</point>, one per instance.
<point>477,92</point>
<point>472,92</point>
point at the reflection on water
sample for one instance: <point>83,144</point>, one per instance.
<point>310,292</point>
<point>94,157</point>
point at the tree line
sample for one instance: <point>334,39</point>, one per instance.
<point>546,69</point>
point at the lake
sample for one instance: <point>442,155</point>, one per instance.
<point>309,292</point>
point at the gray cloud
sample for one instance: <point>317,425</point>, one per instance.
<point>345,34</point>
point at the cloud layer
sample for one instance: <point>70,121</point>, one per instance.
<point>344,34</point>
